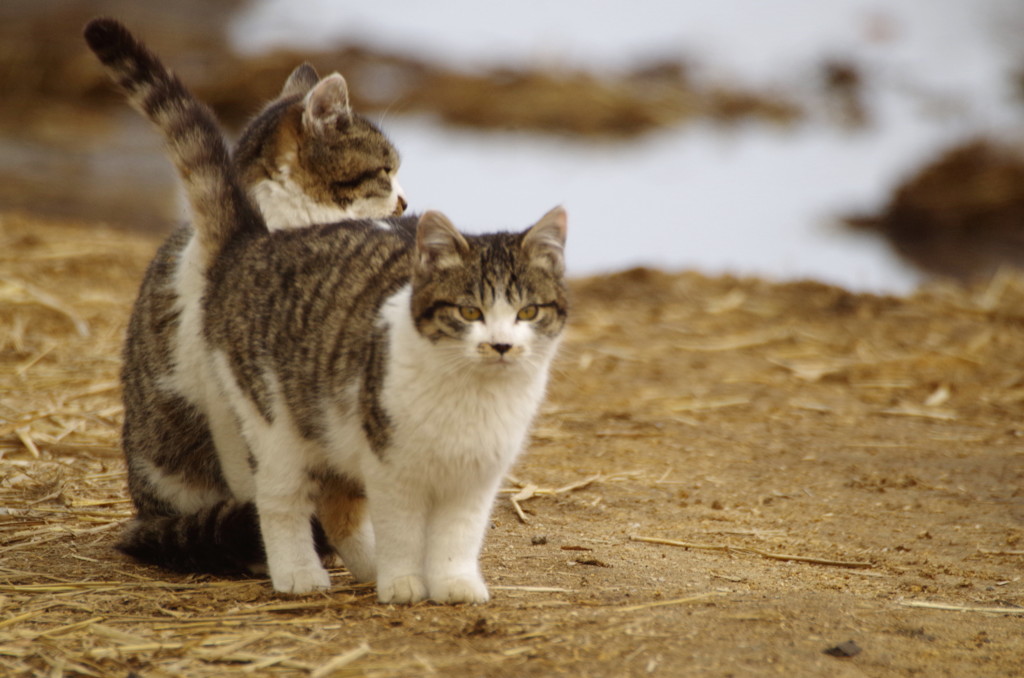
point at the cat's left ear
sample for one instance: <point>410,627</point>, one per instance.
<point>439,244</point>
<point>544,243</point>
<point>302,79</point>
<point>327,104</point>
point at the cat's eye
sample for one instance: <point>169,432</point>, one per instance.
<point>470,313</point>
<point>527,312</point>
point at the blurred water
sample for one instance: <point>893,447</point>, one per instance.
<point>755,200</point>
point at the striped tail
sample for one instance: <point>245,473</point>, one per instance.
<point>220,207</point>
<point>221,539</point>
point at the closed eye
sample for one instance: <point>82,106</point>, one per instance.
<point>346,185</point>
<point>359,180</point>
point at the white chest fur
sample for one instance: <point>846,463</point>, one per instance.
<point>454,417</point>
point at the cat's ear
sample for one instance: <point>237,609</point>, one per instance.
<point>302,79</point>
<point>544,243</point>
<point>439,244</point>
<point>327,104</point>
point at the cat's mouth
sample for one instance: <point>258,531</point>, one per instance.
<point>498,354</point>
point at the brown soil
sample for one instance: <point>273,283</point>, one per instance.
<point>843,467</point>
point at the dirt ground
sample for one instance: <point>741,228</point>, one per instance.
<point>831,467</point>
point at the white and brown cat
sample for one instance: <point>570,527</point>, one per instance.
<point>387,368</point>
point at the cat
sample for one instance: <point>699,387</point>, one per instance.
<point>304,157</point>
<point>307,158</point>
<point>389,368</point>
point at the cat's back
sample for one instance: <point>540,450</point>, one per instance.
<point>295,314</point>
<point>346,252</point>
<point>282,291</point>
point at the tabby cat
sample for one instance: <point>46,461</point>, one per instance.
<point>383,373</point>
<point>305,157</point>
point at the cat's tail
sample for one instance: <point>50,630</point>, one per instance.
<point>220,539</point>
<point>221,209</point>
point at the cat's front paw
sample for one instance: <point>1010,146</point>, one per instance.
<point>460,590</point>
<point>406,589</point>
<point>301,580</point>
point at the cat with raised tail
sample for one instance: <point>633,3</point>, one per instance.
<point>390,366</point>
<point>305,156</point>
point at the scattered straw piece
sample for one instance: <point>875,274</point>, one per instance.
<point>910,410</point>
<point>25,436</point>
<point>525,493</point>
<point>19,618</point>
<point>70,628</point>
<point>1000,553</point>
<point>735,342</point>
<point>813,369</point>
<point>341,661</point>
<point>116,635</point>
<point>961,608</point>
<point>699,404</point>
<point>759,552</point>
<point>674,601</point>
<point>532,589</point>
<point>109,652</point>
<point>519,511</point>
<point>579,484</point>
<point>51,302</point>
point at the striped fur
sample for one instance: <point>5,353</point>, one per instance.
<point>220,207</point>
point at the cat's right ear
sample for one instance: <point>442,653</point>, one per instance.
<point>327,105</point>
<point>302,79</point>
<point>439,244</point>
<point>544,242</point>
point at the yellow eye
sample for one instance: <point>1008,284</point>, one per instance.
<point>470,313</point>
<point>527,312</point>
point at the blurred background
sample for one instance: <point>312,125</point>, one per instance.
<point>870,144</point>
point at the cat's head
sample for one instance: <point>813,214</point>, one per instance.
<point>497,300</point>
<point>307,158</point>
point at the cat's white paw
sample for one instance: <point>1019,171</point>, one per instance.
<point>301,580</point>
<point>406,589</point>
<point>460,590</point>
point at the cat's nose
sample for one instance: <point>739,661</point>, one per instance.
<point>502,349</point>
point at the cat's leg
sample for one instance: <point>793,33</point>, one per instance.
<point>455,534</point>
<point>358,551</point>
<point>284,489</point>
<point>284,492</point>
<point>398,511</point>
<point>342,511</point>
